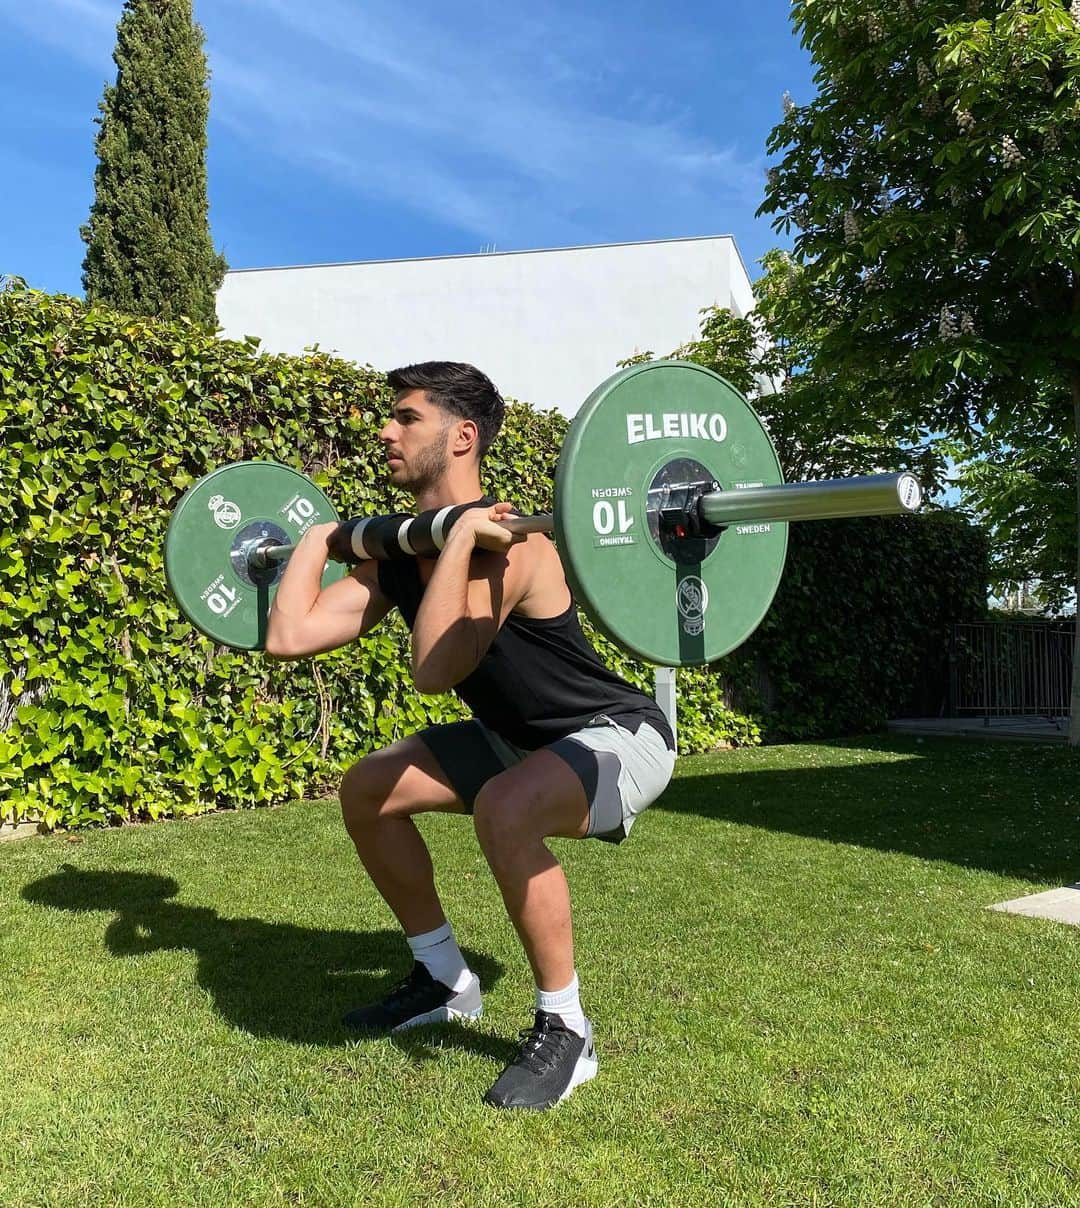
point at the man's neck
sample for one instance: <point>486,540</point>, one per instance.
<point>448,492</point>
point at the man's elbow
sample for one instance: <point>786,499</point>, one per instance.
<point>434,681</point>
<point>428,683</point>
<point>277,654</point>
<point>278,648</point>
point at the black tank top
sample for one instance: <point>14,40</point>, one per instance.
<point>540,680</point>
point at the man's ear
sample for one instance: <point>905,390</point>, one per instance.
<point>467,436</point>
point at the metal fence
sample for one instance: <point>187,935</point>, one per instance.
<point>1009,669</point>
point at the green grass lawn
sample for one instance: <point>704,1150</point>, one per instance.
<point>799,998</point>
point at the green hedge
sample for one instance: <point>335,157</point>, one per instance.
<point>859,629</point>
<point>111,706</point>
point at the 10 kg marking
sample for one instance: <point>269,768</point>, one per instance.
<point>605,516</point>
<point>301,512</point>
<point>220,598</point>
<point>222,601</point>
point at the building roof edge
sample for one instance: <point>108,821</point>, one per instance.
<point>538,251</point>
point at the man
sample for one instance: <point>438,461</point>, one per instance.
<point>559,745</point>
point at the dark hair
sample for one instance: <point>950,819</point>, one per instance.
<point>460,389</point>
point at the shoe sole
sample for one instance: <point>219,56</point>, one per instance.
<point>439,1015</point>
<point>586,1068</point>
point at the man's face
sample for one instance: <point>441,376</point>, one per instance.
<point>416,438</point>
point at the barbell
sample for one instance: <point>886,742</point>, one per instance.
<point>670,518</point>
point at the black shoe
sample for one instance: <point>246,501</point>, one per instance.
<point>551,1062</point>
<point>418,999</point>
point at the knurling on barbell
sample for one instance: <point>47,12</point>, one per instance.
<point>670,519</point>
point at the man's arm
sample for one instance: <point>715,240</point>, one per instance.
<point>305,619</point>
<point>471,593</point>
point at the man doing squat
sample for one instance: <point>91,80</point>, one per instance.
<point>558,744</point>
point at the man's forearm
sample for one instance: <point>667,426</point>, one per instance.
<point>444,634</point>
<point>299,587</point>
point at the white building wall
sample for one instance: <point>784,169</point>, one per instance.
<point>546,326</point>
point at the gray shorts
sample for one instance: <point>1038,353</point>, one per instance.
<point>621,772</point>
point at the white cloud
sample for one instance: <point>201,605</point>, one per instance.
<point>484,132</point>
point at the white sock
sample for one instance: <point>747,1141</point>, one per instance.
<point>439,953</point>
<point>565,1003</point>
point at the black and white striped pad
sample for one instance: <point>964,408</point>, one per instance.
<point>405,536</point>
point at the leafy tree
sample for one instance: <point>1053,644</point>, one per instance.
<point>816,415</point>
<point>149,250</point>
<point>932,186</point>
<point>1024,496</point>
<point>812,416</point>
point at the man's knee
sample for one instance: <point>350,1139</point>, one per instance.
<point>363,794</point>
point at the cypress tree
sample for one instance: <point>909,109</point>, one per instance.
<point>149,250</point>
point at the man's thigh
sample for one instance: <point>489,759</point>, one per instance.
<point>401,779</point>
<point>593,783</point>
<point>535,790</point>
<point>541,796</point>
<point>469,755</point>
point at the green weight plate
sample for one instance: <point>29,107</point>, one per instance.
<point>205,561</point>
<point>647,426</point>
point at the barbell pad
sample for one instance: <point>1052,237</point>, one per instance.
<point>428,532</point>
<point>361,539</point>
<point>339,543</point>
<point>378,537</point>
<point>396,536</point>
<point>418,535</point>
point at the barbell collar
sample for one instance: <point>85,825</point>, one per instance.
<point>263,555</point>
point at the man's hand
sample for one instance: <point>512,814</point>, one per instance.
<point>319,536</point>
<point>480,527</point>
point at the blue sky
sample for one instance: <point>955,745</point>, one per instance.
<point>368,129</point>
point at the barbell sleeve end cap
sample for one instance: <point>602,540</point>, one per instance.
<point>909,491</point>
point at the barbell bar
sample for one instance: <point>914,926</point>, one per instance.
<point>824,499</point>
<point>670,518</point>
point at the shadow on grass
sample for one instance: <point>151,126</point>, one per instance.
<point>1010,809</point>
<point>267,979</point>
